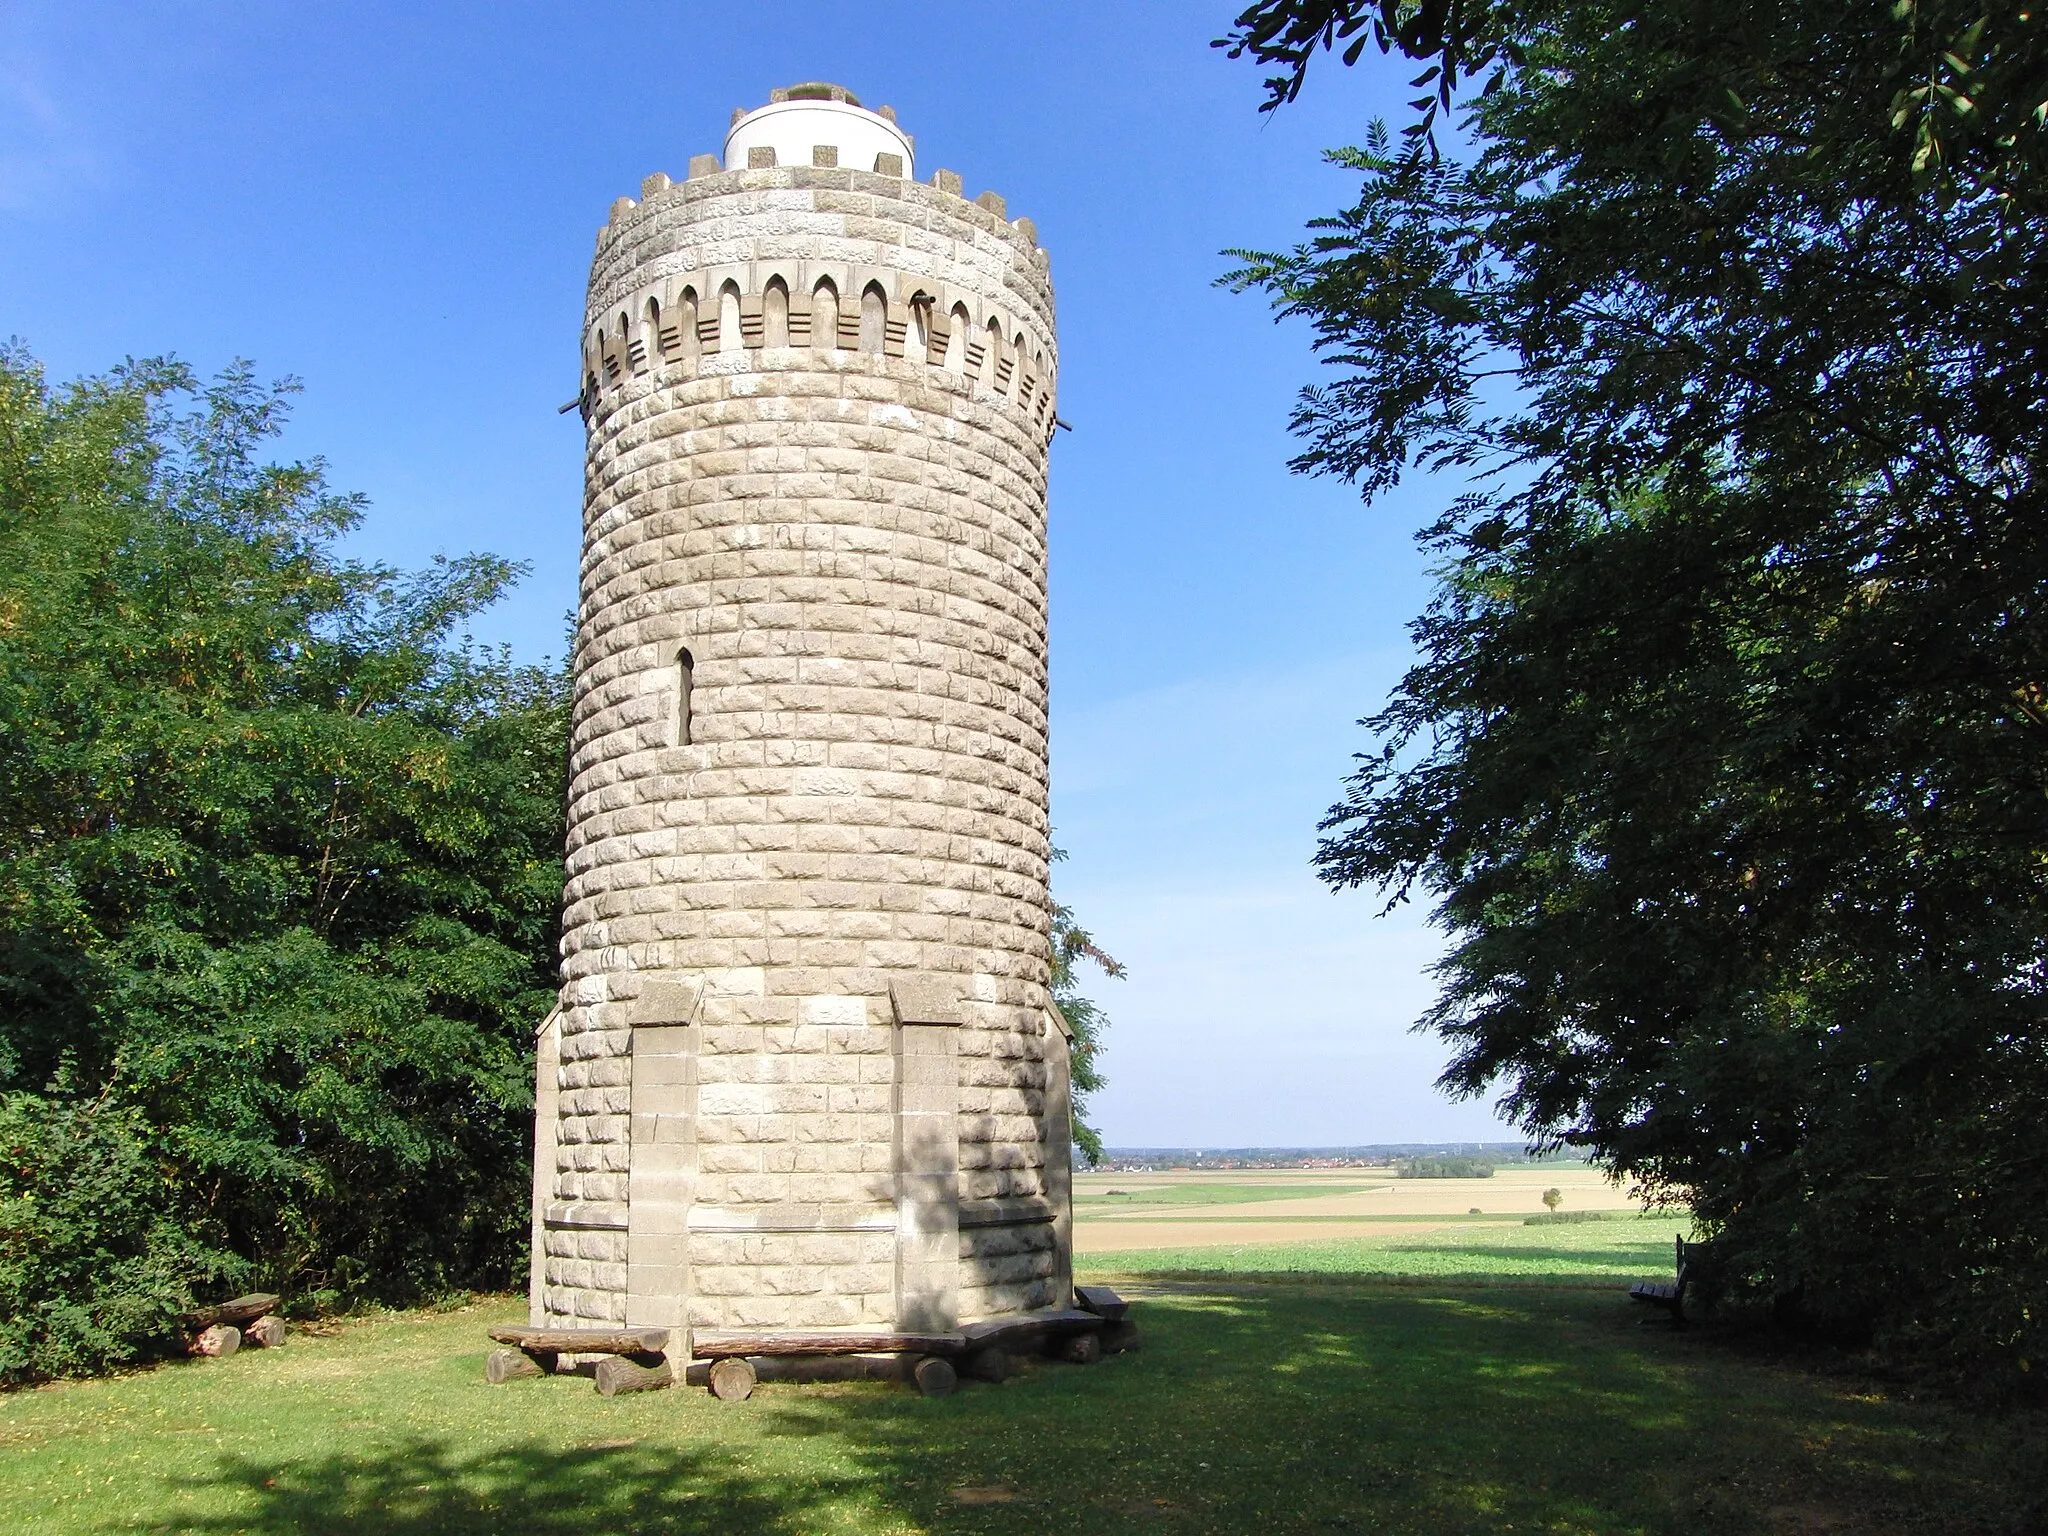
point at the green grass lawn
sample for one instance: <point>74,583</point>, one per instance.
<point>1213,1194</point>
<point>1322,1404</point>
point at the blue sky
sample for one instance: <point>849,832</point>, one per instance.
<point>396,204</point>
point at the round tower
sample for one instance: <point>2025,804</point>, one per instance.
<point>805,1072</point>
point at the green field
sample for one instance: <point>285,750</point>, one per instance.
<point>1490,1380</point>
<point>1472,1248</point>
<point>1209,1194</point>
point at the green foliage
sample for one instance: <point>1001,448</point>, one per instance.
<point>1727,754</point>
<point>1071,946</point>
<point>279,847</point>
<point>1552,1199</point>
<point>1445,1166</point>
<point>93,1262</point>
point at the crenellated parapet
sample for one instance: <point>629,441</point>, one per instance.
<point>747,268</point>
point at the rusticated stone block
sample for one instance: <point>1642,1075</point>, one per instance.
<point>807,814</point>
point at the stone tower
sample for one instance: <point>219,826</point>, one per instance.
<point>805,1072</point>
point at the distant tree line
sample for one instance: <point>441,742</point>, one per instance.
<point>1725,757</point>
<point>1448,1166</point>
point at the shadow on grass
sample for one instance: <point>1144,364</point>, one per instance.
<point>426,1486</point>
<point>1249,1409</point>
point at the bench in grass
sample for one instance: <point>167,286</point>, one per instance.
<point>731,1361</point>
<point>1690,1265</point>
<point>636,1356</point>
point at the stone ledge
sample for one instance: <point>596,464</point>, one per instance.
<point>926,999</point>
<point>582,1215</point>
<point>1030,1210</point>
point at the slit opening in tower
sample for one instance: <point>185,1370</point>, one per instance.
<point>686,668</point>
<point>920,325</point>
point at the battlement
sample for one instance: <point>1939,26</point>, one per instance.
<point>708,178</point>
<point>710,319</point>
<point>819,124</point>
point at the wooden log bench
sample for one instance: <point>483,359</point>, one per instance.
<point>1688,1265</point>
<point>735,1360</point>
<point>731,1361</point>
<point>1119,1332</point>
<point>225,1327</point>
<point>639,1360</point>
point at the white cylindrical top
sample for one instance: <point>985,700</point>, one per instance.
<point>794,128</point>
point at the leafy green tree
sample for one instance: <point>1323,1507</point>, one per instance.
<point>1726,755</point>
<point>1072,946</point>
<point>279,870</point>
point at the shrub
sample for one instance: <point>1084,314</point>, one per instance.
<point>94,1264</point>
<point>280,873</point>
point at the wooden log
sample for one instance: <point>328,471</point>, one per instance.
<point>737,1342</point>
<point>812,1368</point>
<point>241,1310</point>
<point>219,1340</point>
<point>585,1341</point>
<point>732,1380</point>
<point>989,1363</point>
<point>1118,1337</point>
<point>618,1375</point>
<point>1025,1328</point>
<point>503,1365</point>
<point>267,1332</point>
<point>1102,1301</point>
<point>1079,1348</point>
<point>935,1376</point>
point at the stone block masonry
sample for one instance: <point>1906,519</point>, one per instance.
<point>805,1072</point>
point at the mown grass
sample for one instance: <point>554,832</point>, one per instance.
<point>1325,1404</point>
<point>1634,1248</point>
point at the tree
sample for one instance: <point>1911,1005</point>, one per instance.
<point>1071,946</point>
<point>1726,755</point>
<point>279,874</point>
<point>1553,1198</point>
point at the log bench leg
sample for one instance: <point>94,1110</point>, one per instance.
<point>732,1380</point>
<point>990,1364</point>
<point>616,1374</point>
<point>935,1377</point>
<point>1079,1348</point>
<point>267,1332</point>
<point>220,1340</point>
<point>503,1365</point>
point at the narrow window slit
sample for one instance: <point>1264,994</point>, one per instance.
<point>686,667</point>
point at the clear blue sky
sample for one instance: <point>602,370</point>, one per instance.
<point>396,203</point>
